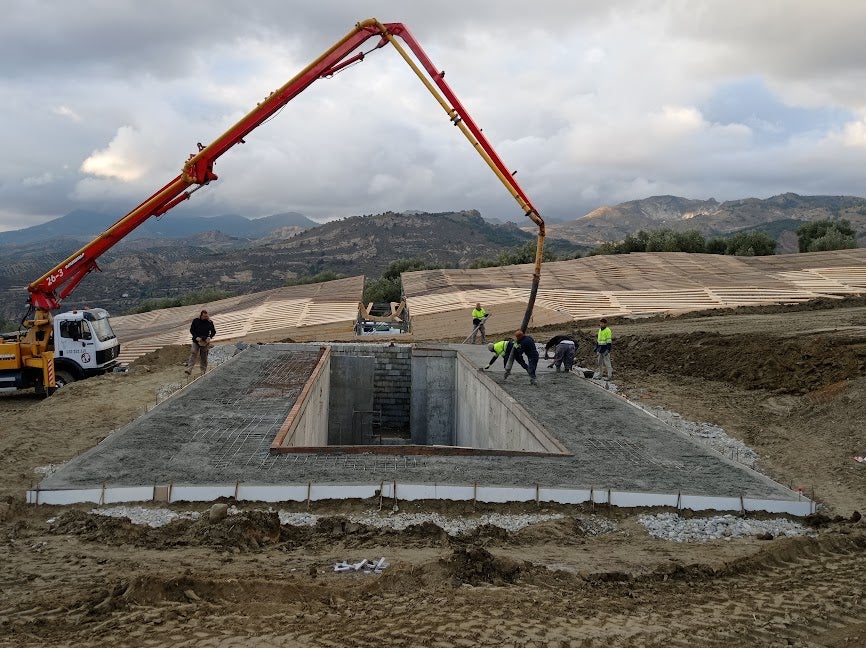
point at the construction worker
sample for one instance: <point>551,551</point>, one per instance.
<point>602,350</point>
<point>499,349</point>
<point>563,358</point>
<point>553,342</point>
<point>525,346</point>
<point>478,317</point>
<point>202,331</point>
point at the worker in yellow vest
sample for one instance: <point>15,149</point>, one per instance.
<point>602,350</point>
<point>479,315</point>
<point>499,349</point>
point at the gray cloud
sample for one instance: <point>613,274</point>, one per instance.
<point>591,103</point>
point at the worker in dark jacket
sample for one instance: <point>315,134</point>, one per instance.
<point>525,347</point>
<point>202,331</point>
<point>563,357</point>
<point>553,342</point>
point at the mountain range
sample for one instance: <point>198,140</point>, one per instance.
<point>143,268</point>
<point>84,225</point>
<point>779,216</point>
<point>176,255</point>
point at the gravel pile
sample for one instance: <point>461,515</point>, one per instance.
<point>708,434</point>
<point>670,526</point>
<point>664,526</point>
<point>152,517</point>
<point>451,525</point>
<point>156,517</point>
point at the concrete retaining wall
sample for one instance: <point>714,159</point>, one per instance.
<point>352,399</point>
<point>307,423</point>
<point>433,399</point>
<point>487,417</point>
<point>391,381</point>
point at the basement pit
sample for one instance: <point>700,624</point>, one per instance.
<point>215,438</point>
<point>400,399</point>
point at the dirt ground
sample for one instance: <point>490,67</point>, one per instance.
<point>789,382</point>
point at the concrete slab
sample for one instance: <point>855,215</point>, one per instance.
<point>218,430</point>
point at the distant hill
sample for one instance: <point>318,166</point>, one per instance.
<point>85,225</point>
<point>162,267</point>
<point>780,216</point>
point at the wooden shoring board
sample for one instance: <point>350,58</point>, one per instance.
<point>348,290</point>
<point>327,313</point>
<point>846,276</point>
<point>284,313</point>
<point>331,332</point>
<point>664,300</point>
<point>234,324</point>
<point>810,280</point>
<point>757,296</point>
<point>465,300</point>
<point>788,262</point>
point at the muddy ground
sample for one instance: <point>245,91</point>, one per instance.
<point>790,382</point>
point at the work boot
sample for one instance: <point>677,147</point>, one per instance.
<point>533,381</point>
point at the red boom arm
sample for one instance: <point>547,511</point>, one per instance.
<point>49,290</point>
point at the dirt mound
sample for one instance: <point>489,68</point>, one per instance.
<point>167,356</point>
<point>248,531</point>
<point>475,565</point>
<point>97,528</point>
<point>784,365</point>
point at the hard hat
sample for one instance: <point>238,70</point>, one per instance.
<point>490,347</point>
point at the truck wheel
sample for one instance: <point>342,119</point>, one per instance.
<point>63,377</point>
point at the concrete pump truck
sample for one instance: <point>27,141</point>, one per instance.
<point>52,350</point>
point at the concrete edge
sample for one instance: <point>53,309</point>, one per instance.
<point>310,491</point>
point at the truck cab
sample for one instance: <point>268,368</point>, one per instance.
<point>83,345</point>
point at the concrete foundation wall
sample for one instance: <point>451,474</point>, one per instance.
<point>307,423</point>
<point>433,399</point>
<point>350,413</point>
<point>487,417</point>
<point>390,379</point>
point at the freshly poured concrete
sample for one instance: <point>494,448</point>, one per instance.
<point>218,430</point>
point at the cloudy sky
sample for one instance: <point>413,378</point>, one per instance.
<point>592,103</point>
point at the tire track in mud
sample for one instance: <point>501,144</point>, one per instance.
<point>801,591</point>
<point>797,594</point>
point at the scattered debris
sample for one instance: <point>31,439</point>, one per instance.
<point>367,566</point>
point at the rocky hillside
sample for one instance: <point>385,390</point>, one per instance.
<point>242,255</point>
<point>779,216</point>
<point>140,269</point>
